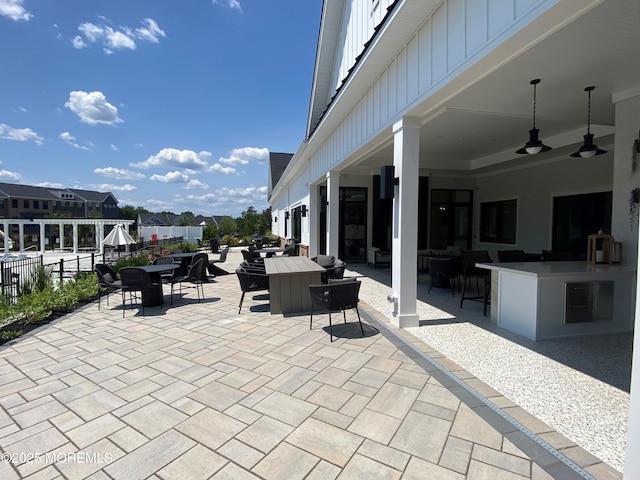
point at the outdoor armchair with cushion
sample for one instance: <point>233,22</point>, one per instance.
<point>249,257</point>
<point>106,281</point>
<point>251,281</point>
<point>324,260</point>
<point>335,297</point>
<point>444,272</point>
<point>335,271</point>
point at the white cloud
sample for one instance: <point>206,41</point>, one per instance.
<point>217,168</point>
<point>233,4</point>
<point>19,134</point>
<point>50,185</point>
<point>113,147</point>
<point>108,187</point>
<point>172,157</point>
<point>14,10</point>
<point>9,176</point>
<point>170,177</point>
<point>196,184</point>
<point>246,195</point>
<point>151,32</point>
<point>242,156</point>
<point>119,173</point>
<point>92,108</point>
<point>112,39</point>
<point>71,140</point>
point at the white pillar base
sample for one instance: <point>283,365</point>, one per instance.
<point>404,321</point>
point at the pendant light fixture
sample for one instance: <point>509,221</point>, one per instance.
<point>588,149</point>
<point>534,145</point>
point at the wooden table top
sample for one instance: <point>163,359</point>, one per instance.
<point>286,265</point>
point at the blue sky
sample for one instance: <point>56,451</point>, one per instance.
<point>169,104</point>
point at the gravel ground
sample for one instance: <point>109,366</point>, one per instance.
<point>579,386</point>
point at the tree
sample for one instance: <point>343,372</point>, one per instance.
<point>187,220</point>
<point>209,231</point>
<point>227,226</point>
<point>249,222</point>
<point>129,213</point>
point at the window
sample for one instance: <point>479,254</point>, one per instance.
<point>2,203</point>
<point>45,205</point>
<point>36,204</point>
<point>498,221</point>
<point>14,203</point>
<point>26,204</point>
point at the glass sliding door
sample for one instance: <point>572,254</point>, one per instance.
<point>353,224</point>
<point>450,219</point>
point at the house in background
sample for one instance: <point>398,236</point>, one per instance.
<point>28,202</point>
<point>419,111</point>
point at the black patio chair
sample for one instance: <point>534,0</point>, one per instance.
<point>213,268</point>
<point>335,297</point>
<point>165,260</point>
<point>324,260</point>
<point>511,256</point>
<point>443,271</point>
<point>557,256</point>
<point>135,280</point>
<point>193,276</point>
<point>250,257</point>
<point>251,282</point>
<point>332,272</point>
<point>471,272</point>
<point>107,281</point>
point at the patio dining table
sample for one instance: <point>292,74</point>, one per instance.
<point>153,297</point>
<point>289,280</point>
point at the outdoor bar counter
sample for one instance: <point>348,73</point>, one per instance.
<point>541,300</point>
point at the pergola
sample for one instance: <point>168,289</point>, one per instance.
<point>97,223</point>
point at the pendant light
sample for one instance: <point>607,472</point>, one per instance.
<point>588,149</point>
<point>534,145</point>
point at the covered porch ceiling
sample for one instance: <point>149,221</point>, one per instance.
<point>478,128</point>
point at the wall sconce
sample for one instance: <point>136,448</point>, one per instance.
<point>275,219</point>
<point>304,210</point>
<point>534,145</point>
<point>387,182</point>
<point>286,215</point>
<point>588,149</point>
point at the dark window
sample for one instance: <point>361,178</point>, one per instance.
<point>26,204</point>
<point>14,203</point>
<point>498,221</point>
<point>45,205</point>
<point>36,204</point>
<point>575,217</point>
<point>1,203</point>
<point>296,224</point>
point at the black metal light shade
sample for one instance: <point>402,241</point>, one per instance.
<point>534,145</point>
<point>588,149</point>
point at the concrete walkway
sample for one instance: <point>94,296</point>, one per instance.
<point>199,391</point>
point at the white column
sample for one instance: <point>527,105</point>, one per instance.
<point>333,217</point>
<point>21,236</point>
<point>75,237</point>
<point>5,231</point>
<point>42,236</point>
<point>404,275</point>
<point>627,124</point>
<point>312,219</point>
<point>61,235</point>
